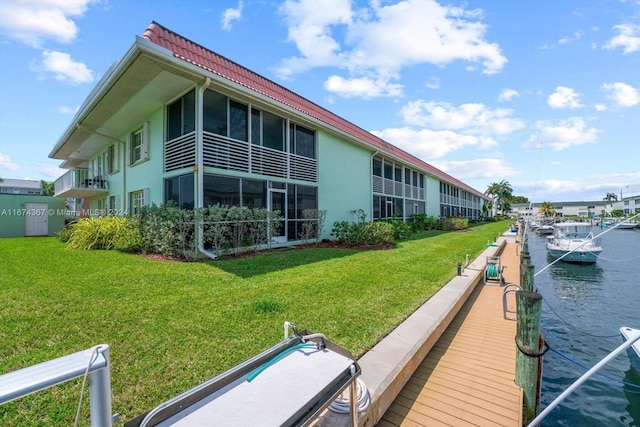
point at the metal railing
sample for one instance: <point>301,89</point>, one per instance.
<point>93,362</point>
<point>81,178</point>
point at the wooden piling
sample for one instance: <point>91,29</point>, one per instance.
<point>529,307</point>
<point>526,275</point>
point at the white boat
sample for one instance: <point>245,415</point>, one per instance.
<point>627,225</point>
<point>545,229</point>
<point>634,351</point>
<point>574,242</point>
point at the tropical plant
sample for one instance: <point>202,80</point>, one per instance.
<point>546,209</point>
<point>610,197</point>
<point>48,188</point>
<point>501,193</point>
<point>519,199</point>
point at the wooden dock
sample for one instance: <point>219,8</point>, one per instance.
<point>467,379</point>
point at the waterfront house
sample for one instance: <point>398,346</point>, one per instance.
<point>173,120</point>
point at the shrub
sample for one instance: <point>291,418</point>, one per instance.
<point>107,232</point>
<point>401,229</point>
<point>228,229</point>
<point>423,222</point>
<point>312,224</point>
<point>452,223</point>
<point>362,232</point>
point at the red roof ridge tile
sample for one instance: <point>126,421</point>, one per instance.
<point>200,56</point>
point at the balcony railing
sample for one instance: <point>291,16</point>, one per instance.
<point>231,154</point>
<point>81,182</point>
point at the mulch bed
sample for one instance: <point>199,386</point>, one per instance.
<point>331,244</point>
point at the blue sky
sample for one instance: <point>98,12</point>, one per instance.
<point>544,94</point>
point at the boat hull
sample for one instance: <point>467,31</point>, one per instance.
<point>580,257</point>
<point>633,351</point>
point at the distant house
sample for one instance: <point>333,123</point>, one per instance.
<point>173,120</point>
<point>25,212</point>
<point>584,209</point>
<point>631,205</point>
<point>20,186</point>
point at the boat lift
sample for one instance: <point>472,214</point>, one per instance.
<point>493,271</point>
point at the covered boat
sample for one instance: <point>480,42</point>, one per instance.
<point>573,242</point>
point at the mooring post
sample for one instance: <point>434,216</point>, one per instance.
<point>529,308</point>
<point>526,276</point>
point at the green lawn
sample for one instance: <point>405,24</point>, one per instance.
<point>172,325</point>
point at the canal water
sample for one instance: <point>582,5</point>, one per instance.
<point>583,308</point>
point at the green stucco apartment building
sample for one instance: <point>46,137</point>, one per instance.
<point>173,120</point>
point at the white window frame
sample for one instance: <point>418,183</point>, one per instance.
<point>138,199</point>
<point>143,131</point>
<point>113,159</point>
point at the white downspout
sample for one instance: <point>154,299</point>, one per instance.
<point>200,167</point>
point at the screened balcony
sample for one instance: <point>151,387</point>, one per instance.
<point>81,182</point>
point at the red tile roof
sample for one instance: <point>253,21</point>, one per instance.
<point>200,56</point>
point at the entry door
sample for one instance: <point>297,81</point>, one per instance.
<point>389,209</point>
<point>278,202</point>
<point>36,219</point>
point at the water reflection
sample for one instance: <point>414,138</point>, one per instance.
<point>576,281</point>
<point>633,396</point>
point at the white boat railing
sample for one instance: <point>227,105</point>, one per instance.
<point>582,379</point>
<point>93,362</point>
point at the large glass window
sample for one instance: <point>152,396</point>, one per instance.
<point>238,121</point>
<point>254,193</point>
<point>388,170</point>
<point>180,190</point>
<point>299,198</point>
<point>304,142</point>
<point>377,166</point>
<point>222,190</point>
<point>273,131</point>
<point>256,128</point>
<point>214,108</point>
<point>181,116</point>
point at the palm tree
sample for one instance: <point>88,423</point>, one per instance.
<point>501,193</point>
<point>611,197</point>
<point>546,209</point>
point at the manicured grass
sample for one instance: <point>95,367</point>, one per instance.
<point>172,325</point>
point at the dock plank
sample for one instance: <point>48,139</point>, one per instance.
<point>467,379</point>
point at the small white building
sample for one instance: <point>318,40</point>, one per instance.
<point>20,186</point>
<point>583,209</point>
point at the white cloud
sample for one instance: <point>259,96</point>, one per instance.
<point>7,164</point>
<point>362,87</point>
<point>576,36</point>
<point>63,68</point>
<point>468,118</point>
<point>628,38</point>
<point>230,15</point>
<point>622,94</point>
<point>477,168</point>
<point>507,95</point>
<point>52,171</point>
<point>600,107</point>
<point>427,144</point>
<point>566,134</point>
<point>564,97</point>
<point>66,110</point>
<point>378,41</point>
<point>433,83</point>
<point>32,22</point>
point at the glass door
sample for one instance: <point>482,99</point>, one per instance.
<point>278,202</point>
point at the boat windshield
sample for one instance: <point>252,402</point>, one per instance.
<point>574,232</point>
